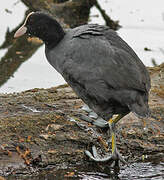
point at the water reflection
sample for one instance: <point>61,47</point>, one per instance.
<point>136,171</point>
<point>143,171</point>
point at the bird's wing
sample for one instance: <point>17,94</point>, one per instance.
<point>98,65</point>
<point>123,72</point>
<point>122,48</point>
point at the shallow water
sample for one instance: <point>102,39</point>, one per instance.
<point>135,171</point>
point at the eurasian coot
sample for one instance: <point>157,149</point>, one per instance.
<point>99,66</point>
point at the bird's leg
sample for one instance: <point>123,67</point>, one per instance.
<point>115,154</point>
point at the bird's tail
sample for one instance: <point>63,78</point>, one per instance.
<point>140,111</point>
<point>140,108</point>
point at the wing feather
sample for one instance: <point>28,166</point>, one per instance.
<point>101,62</point>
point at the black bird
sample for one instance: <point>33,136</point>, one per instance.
<point>99,66</point>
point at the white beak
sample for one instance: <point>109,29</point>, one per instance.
<point>20,32</point>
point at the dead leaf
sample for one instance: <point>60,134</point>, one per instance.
<point>24,155</point>
<point>52,151</point>
<point>18,52</point>
<point>54,127</point>
<point>69,174</point>
<point>27,152</point>
<point>9,153</point>
<point>44,136</point>
<point>29,138</point>
<point>35,40</point>
<point>21,139</point>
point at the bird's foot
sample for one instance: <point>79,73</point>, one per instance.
<point>99,122</point>
<point>110,158</point>
<point>93,118</point>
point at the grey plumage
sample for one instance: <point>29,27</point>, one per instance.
<point>103,70</point>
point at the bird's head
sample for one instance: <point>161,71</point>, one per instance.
<point>43,26</point>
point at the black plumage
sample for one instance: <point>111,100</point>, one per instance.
<point>99,66</point>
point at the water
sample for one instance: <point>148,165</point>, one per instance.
<point>145,171</point>
<point>143,26</point>
<point>135,171</point>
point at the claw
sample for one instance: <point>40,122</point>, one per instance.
<point>99,122</point>
<point>97,159</point>
<point>95,154</point>
<point>114,157</point>
<point>119,157</point>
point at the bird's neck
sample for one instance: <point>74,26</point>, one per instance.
<point>53,36</point>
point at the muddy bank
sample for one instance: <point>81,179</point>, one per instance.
<point>41,127</point>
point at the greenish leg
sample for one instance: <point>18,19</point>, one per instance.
<point>112,123</point>
<point>115,154</point>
